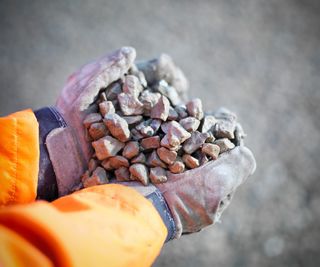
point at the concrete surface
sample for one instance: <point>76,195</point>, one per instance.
<point>259,58</point>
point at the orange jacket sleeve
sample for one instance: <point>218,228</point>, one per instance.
<point>109,225</point>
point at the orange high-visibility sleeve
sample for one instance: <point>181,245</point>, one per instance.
<point>19,158</point>
<point>107,225</point>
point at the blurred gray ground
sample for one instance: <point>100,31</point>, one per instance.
<point>259,58</point>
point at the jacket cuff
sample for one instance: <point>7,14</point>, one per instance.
<point>49,119</point>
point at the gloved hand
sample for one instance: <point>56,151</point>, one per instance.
<point>197,198</point>
<point>68,148</point>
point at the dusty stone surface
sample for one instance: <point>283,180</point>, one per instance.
<point>149,99</point>
<point>194,108</point>
<point>158,175</point>
<point>91,118</point>
<point>224,144</point>
<point>113,90</point>
<point>226,124</point>
<point>208,122</point>
<point>177,167</point>
<point>107,147</point>
<point>182,111</point>
<point>98,177</point>
<point>167,155</point>
<point>191,124</point>
<point>106,107</point>
<point>117,126</point>
<point>190,161</point>
<point>154,160</point>
<point>122,174</point>
<point>98,130</point>
<point>161,109</point>
<point>196,140</point>
<point>173,114</point>
<point>150,142</point>
<point>140,172</point>
<point>176,134</point>
<point>170,92</point>
<point>130,104</point>
<point>141,158</point>
<point>133,119</point>
<point>131,149</point>
<point>211,150</point>
<point>136,135</point>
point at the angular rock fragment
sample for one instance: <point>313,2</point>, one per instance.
<point>117,126</point>
<point>190,161</point>
<point>176,132</point>
<point>154,160</point>
<point>211,150</point>
<point>92,165</point>
<point>226,124</point>
<point>165,143</point>
<point>155,124</point>
<point>167,155</point>
<point>106,107</point>
<point>136,135</point>
<point>141,158</point>
<point>131,149</point>
<point>177,166</point>
<point>196,140</point>
<point>107,147</point>
<point>170,92</point>
<point>92,118</point>
<point>173,115</point>
<point>130,104</point>
<point>113,90</point>
<point>150,142</point>
<point>132,85</point>
<point>190,124</point>
<point>131,120</point>
<point>158,175</point>
<point>182,111</point>
<point>194,108</point>
<point>161,109</point>
<point>140,172</point>
<point>208,122</point>
<point>225,144</point>
<point>122,174</point>
<point>98,130</point>
<point>239,135</point>
<point>115,163</point>
<point>149,99</point>
<point>98,177</point>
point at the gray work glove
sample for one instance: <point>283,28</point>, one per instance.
<point>68,148</point>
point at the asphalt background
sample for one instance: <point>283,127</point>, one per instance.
<point>259,58</point>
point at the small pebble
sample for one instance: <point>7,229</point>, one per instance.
<point>150,142</point>
<point>194,108</point>
<point>190,161</point>
<point>106,107</point>
<point>98,130</point>
<point>140,172</point>
<point>158,175</point>
<point>107,147</point>
<point>122,174</point>
<point>177,167</point>
<point>225,144</point>
<point>161,109</point>
<point>131,149</point>
<point>154,160</point>
<point>167,155</point>
<point>190,124</point>
<point>141,158</point>
<point>92,118</point>
<point>117,126</point>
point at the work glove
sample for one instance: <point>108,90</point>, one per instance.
<point>68,148</point>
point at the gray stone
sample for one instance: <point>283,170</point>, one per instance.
<point>136,135</point>
<point>167,155</point>
<point>208,122</point>
<point>190,124</point>
<point>170,92</point>
<point>182,111</point>
<point>130,104</point>
<point>158,175</point>
<point>154,161</point>
<point>117,126</point>
<point>106,107</point>
<point>226,124</point>
<point>141,158</point>
<point>98,177</point>
<point>113,90</point>
<point>194,108</point>
<point>92,165</point>
<point>196,140</point>
<point>239,135</point>
<point>211,150</point>
<point>122,174</point>
<point>161,109</point>
<point>98,130</point>
<point>92,118</point>
<point>131,149</point>
<point>132,85</point>
<point>150,142</point>
<point>131,120</point>
<point>107,147</point>
<point>140,172</point>
<point>173,115</point>
<point>190,161</point>
<point>149,99</point>
<point>225,144</point>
